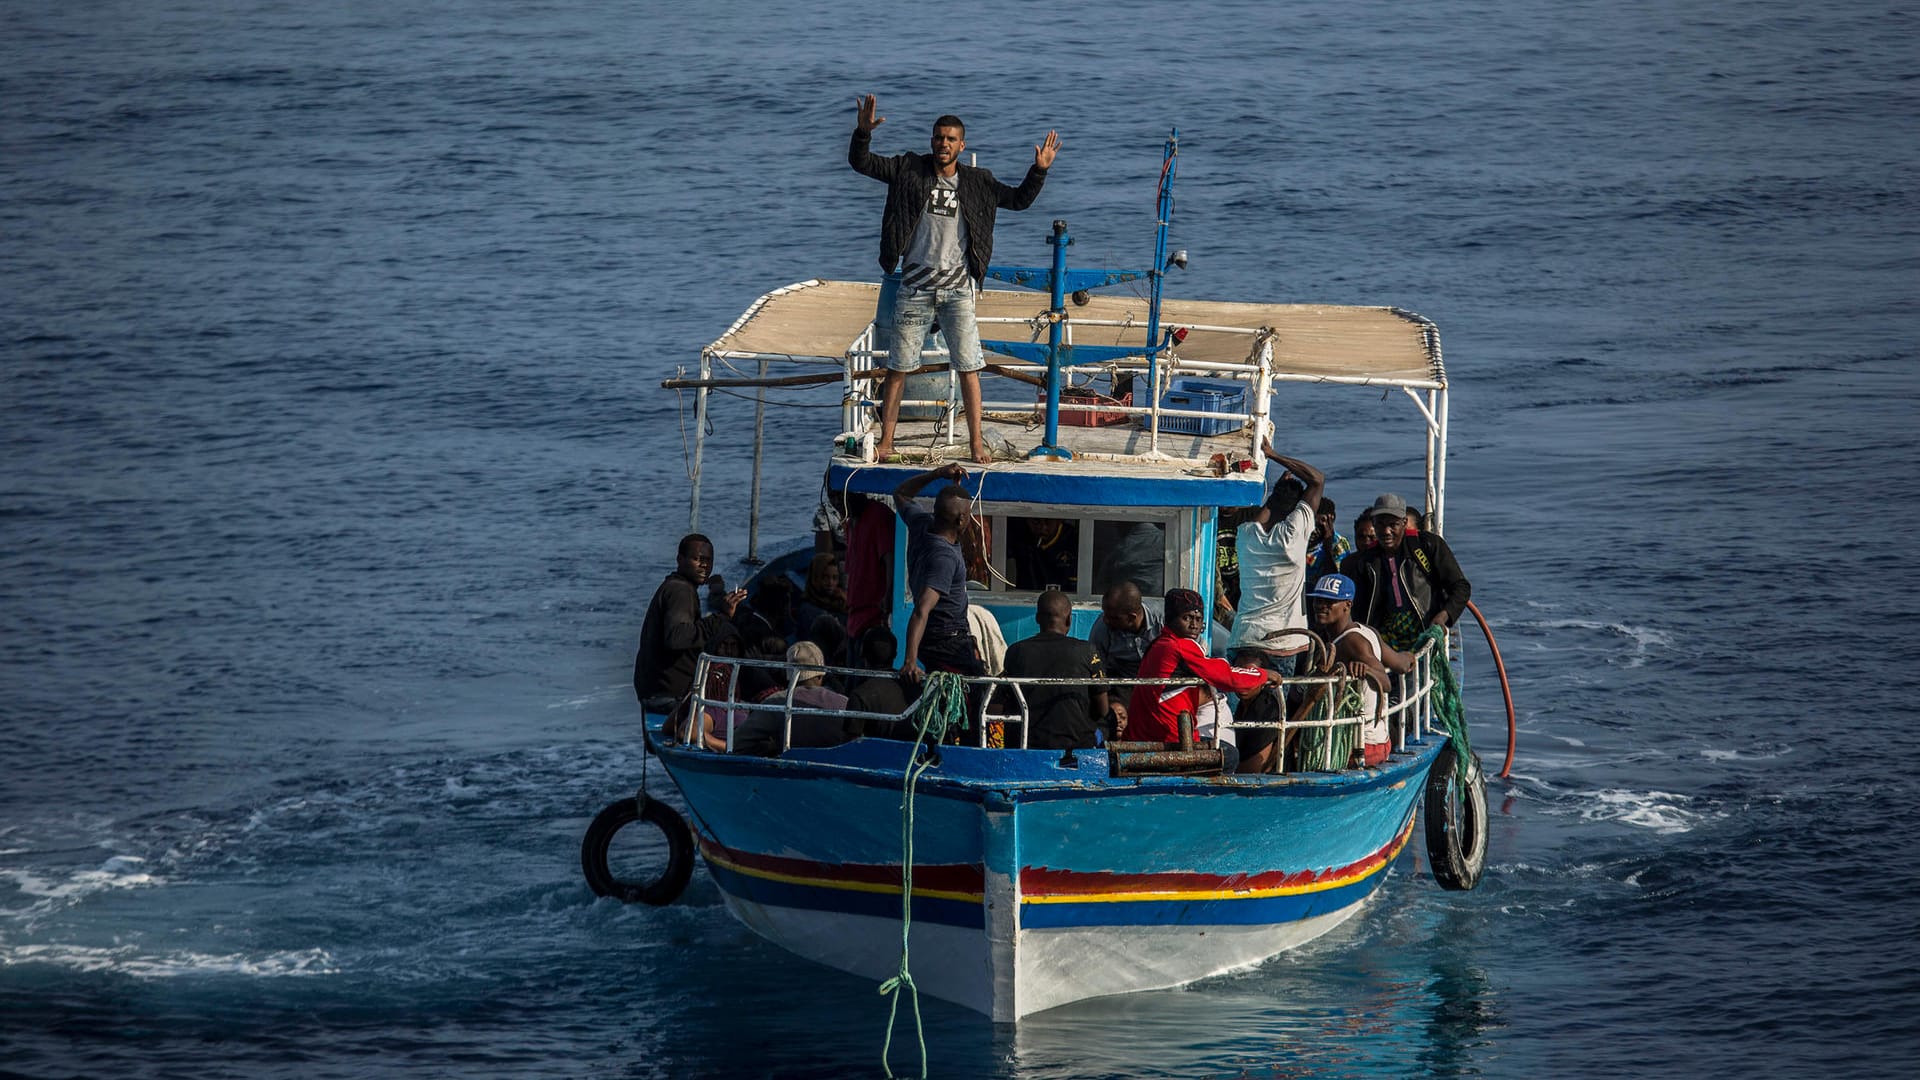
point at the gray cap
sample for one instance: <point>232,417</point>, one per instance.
<point>804,655</point>
<point>1388,504</point>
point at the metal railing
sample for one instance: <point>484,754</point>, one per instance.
<point>859,413</point>
<point>1407,709</point>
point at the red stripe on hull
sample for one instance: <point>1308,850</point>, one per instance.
<point>950,877</point>
<point>1045,881</point>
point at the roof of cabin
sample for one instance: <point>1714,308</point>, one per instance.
<point>1364,344</point>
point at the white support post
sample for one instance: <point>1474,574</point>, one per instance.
<point>759,443</point>
<point>1433,447</point>
<point>1439,507</point>
<point>699,438</point>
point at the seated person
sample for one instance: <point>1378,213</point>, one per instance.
<point>1045,552</point>
<point>1363,535</point>
<point>830,634</point>
<point>766,620</point>
<point>1328,547</point>
<point>1060,717</point>
<point>760,732</point>
<point>1121,636</point>
<point>824,595</point>
<point>884,692</point>
<point>1357,649</point>
<point>674,632</point>
<point>1124,630</point>
<point>1153,711</point>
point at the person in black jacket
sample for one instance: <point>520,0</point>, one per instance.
<point>936,238</point>
<point>1062,717</point>
<point>1404,584</point>
<point>675,632</point>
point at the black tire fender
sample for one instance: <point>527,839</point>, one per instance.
<point>1456,815</point>
<point>664,889</point>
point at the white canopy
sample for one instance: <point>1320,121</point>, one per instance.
<point>1374,344</point>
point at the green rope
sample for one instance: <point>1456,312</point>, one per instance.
<point>1327,749</point>
<point>943,706</point>
<point>1446,692</point>
<point>1451,711</point>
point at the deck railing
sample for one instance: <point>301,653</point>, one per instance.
<point>1407,709</point>
<point>860,418</point>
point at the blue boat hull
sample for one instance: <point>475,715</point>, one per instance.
<point>1036,885</point>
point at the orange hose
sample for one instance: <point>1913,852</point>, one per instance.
<point>1506,688</point>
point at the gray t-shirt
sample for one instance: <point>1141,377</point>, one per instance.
<point>936,257</point>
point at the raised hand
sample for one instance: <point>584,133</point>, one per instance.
<point>1044,153</point>
<point>864,117</point>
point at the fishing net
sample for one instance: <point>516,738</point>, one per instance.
<point>1447,707</point>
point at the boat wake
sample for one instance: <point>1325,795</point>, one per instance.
<point>129,960</point>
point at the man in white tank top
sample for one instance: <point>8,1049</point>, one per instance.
<point>1358,649</point>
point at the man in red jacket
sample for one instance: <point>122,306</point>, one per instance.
<point>1153,712</point>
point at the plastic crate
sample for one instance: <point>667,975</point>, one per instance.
<point>1077,418</point>
<point>1211,395</point>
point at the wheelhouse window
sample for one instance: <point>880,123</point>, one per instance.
<point>1130,551</point>
<point>1043,553</point>
<point>1082,550</point>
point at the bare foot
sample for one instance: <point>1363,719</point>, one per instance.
<point>980,455</point>
<point>882,451</point>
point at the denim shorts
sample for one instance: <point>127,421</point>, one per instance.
<point>904,316</point>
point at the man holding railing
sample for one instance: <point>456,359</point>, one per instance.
<point>1270,629</point>
<point>937,632</point>
<point>1359,652</point>
<point>1177,656</point>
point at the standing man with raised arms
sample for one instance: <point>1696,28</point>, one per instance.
<point>936,238</point>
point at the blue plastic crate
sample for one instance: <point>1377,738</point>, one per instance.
<point>1211,395</point>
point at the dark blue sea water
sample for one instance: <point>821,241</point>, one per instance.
<point>335,476</point>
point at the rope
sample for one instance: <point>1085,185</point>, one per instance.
<point>1327,749</point>
<point>1449,708</point>
<point>943,704</point>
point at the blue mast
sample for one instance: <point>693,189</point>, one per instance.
<point>1060,281</point>
<point>1163,213</point>
<point>1057,292</point>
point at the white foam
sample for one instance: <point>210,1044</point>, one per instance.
<point>54,892</point>
<point>1742,755</point>
<point>1661,811</point>
<point>592,698</point>
<point>1644,638</point>
<point>128,960</point>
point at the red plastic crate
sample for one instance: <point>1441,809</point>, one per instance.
<point>1077,418</point>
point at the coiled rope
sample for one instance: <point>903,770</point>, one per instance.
<point>942,707</point>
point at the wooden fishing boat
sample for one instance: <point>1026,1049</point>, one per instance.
<point>1024,879</point>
